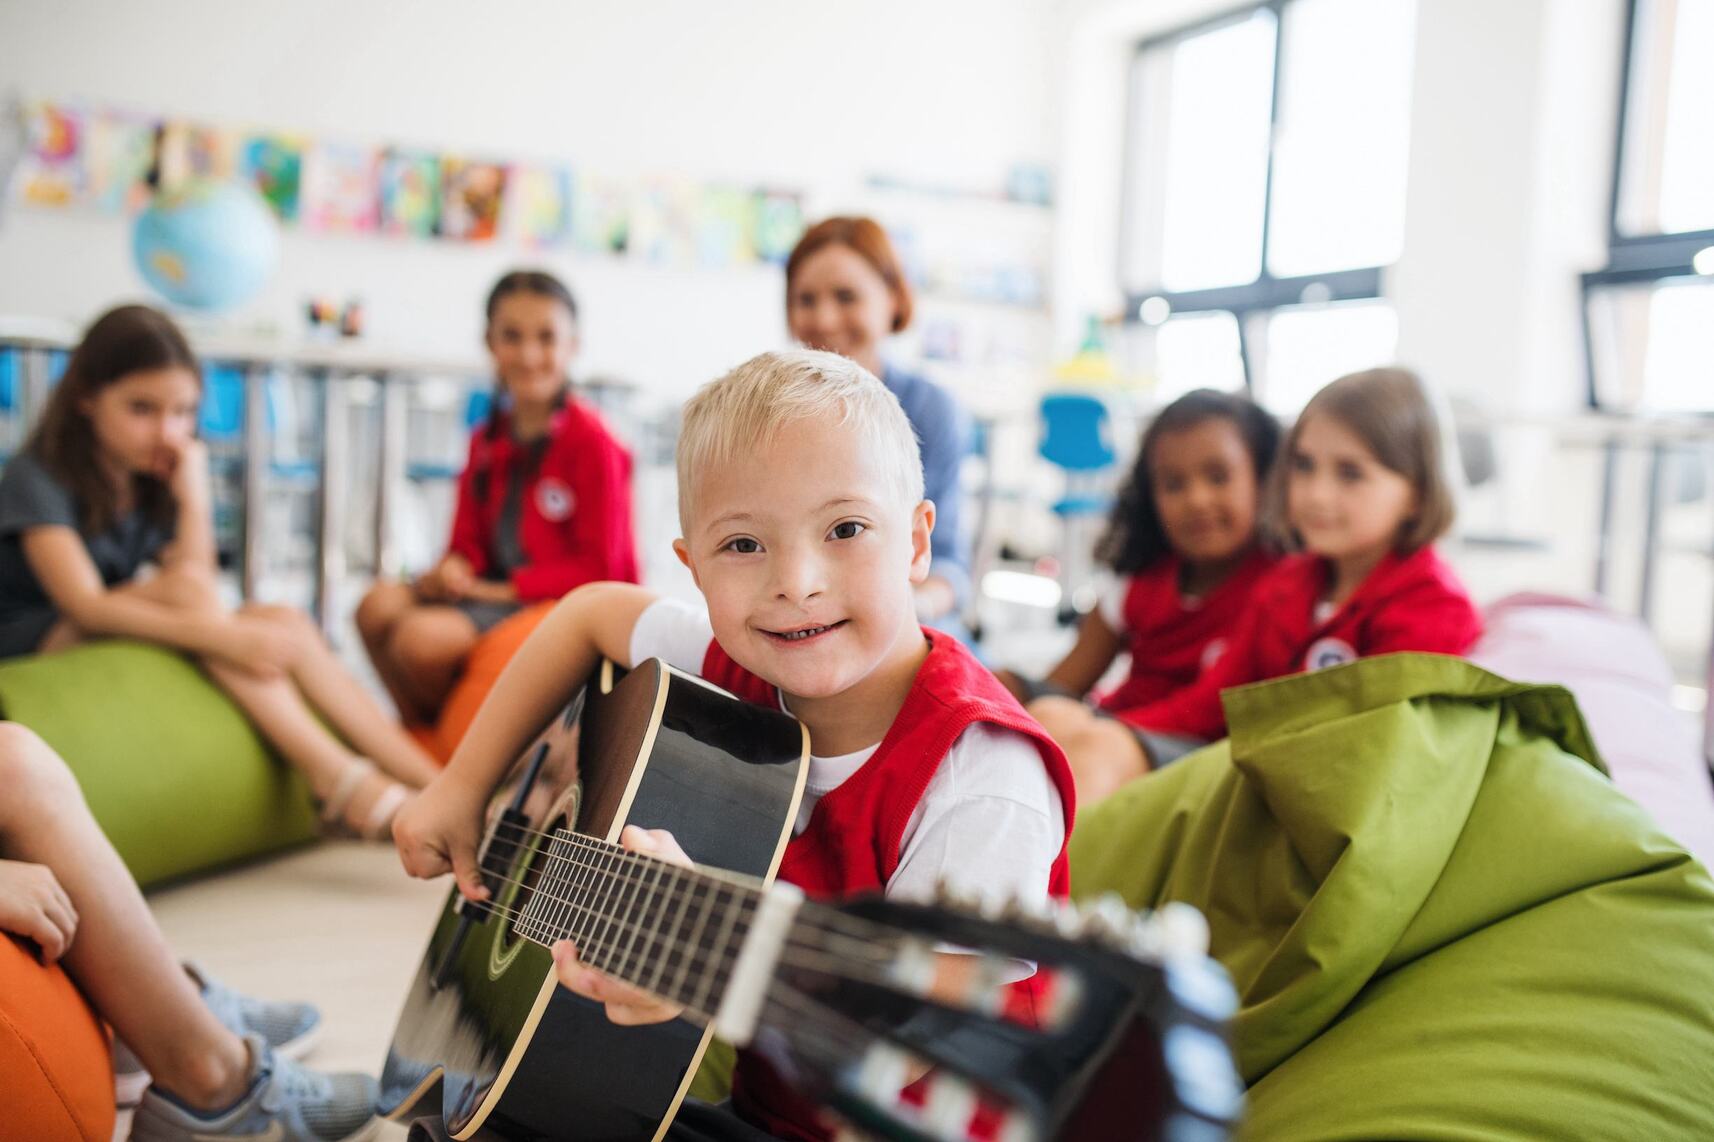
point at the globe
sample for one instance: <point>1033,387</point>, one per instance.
<point>206,245</point>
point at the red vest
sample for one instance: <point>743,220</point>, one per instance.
<point>1170,643</point>
<point>851,844</point>
<point>1412,602</point>
<point>574,521</point>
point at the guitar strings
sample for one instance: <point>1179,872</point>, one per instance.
<point>654,937</point>
<point>827,919</point>
<point>794,954</point>
<point>854,927</point>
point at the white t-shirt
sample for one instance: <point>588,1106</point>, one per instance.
<point>990,821</point>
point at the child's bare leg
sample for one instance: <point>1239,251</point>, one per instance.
<point>378,613</point>
<point>276,708</point>
<point>429,646</point>
<point>329,687</point>
<point>1103,752</point>
<point>118,955</point>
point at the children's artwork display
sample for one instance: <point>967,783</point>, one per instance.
<point>471,194</point>
<point>273,164</point>
<point>725,228</point>
<point>540,208</point>
<point>191,152</point>
<point>53,169</point>
<point>120,153</point>
<point>340,189</point>
<point>114,161</point>
<point>664,222</point>
<point>410,194</point>
<point>779,224</point>
<point>600,215</point>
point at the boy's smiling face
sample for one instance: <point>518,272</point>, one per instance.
<point>806,555</point>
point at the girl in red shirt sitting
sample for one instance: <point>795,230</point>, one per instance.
<point>544,505</point>
<point>1183,541</point>
<point>1361,494</point>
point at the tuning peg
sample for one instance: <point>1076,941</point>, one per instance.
<point>1069,920</point>
<point>1064,997</point>
<point>1111,918</point>
<point>959,898</point>
<point>1030,912</point>
<point>882,1073</point>
<point>1016,1126</point>
<point>913,966</point>
<point>951,1102</point>
<point>1184,931</point>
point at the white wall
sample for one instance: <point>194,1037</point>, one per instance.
<point>810,96</point>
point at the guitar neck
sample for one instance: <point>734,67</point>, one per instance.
<point>680,933</point>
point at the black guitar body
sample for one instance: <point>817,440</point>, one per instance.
<point>485,1023</point>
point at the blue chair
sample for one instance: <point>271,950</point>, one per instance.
<point>1077,431</point>
<point>221,419</point>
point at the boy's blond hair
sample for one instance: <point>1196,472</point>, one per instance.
<point>750,406</point>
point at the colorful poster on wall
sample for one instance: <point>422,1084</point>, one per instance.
<point>600,214</point>
<point>664,217</point>
<point>273,164</point>
<point>410,193</point>
<point>340,189</point>
<point>52,173</point>
<point>539,213</point>
<point>725,228</point>
<point>120,152</point>
<point>194,151</point>
<point>779,224</point>
<point>471,195</point>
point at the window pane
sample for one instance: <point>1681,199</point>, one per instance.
<point>1654,346</point>
<point>1341,145</point>
<point>1308,346</point>
<point>1668,174</point>
<point>1199,177</point>
<point>1678,368</point>
<point>1197,351</point>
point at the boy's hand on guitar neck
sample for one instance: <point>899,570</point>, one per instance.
<point>626,1005</point>
<point>438,831</point>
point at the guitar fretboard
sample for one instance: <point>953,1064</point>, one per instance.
<point>670,930</point>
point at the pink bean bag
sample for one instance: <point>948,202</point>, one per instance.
<point>1612,665</point>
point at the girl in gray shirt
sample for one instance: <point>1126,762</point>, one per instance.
<point>113,478</point>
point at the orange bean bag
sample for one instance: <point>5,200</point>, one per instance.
<point>481,670</point>
<point>55,1065</point>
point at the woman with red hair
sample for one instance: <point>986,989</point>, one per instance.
<point>846,293</point>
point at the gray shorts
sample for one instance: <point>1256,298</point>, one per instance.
<point>486,615</point>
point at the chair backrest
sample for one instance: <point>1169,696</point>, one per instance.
<point>1076,432</point>
<point>222,415</point>
<point>477,406</point>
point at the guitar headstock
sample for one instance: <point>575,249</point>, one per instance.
<point>1118,1035</point>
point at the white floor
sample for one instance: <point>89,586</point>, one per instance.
<point>338,924</point>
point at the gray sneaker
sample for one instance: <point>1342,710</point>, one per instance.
<point>291,1029</point>
<point>286,1102</point>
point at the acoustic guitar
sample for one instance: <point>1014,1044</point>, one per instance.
<point>834,995</point>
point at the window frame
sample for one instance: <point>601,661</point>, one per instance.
<point>1267,292</point>
<point>1632,259</point>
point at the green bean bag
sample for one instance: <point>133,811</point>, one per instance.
<point>1442,919</point>
<point>175,774</point>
